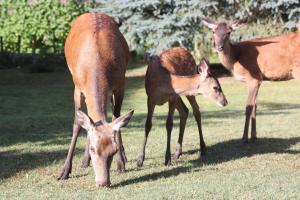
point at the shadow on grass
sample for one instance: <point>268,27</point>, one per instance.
<point>13,162</point>
<point>278,106</point>
<point>219,153</point>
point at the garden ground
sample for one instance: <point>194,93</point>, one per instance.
<point>36,114</point>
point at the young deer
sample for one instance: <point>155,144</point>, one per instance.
<point>171,74</point>
<point>97,57</point>
<point>274,58</point>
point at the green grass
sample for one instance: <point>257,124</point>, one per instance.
<point>36,113</point>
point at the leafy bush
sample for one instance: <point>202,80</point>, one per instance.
<point>148,25</point>
<point>38,25</point>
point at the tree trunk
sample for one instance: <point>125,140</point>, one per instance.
<point>19,44</point>
<point>33,45</point>
<point>54,45</point>
<point>1,44</point>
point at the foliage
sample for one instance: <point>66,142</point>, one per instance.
<point>159,24</point>
<point>148,25</point>
<point>42,24</point>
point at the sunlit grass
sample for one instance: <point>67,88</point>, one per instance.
<point>36,113</point>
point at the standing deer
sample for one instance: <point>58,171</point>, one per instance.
<point>274,58</point>
<point>171,74</point>
<point>97,57</point>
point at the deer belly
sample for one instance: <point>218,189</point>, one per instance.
<point>278,75</point>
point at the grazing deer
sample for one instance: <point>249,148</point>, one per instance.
<point>171,74</point>
<point>97,57</point>
<point>274,58</point>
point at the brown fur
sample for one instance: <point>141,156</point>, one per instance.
<point>273,58</point>
<point>169,75</point>
<point>97,56</point>
<point>178,61</point>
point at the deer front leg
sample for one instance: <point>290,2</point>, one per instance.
<point>169,126</point>
<point>183,114</point>
<point>116,101</point>
<point>197,115</point>
<point>253,87</point>
<point>148,126</point>
<point>67,169</point>
<point>253,115</point>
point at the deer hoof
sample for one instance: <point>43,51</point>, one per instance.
<point>63,175</point>
<point>178,152</point>
<point>203,152</point>
<point>253,139</point>
<point>140,161</point>
<point>245,141</point>
<point>168,160</point>
<point>120,167</point>
<point>177,155</point>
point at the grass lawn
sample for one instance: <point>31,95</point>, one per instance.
<point>36,114</point>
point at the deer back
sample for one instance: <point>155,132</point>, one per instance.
<point>178,61</point>
<point>96,52</point>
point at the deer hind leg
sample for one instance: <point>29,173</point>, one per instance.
<point>67,169</point>
<point>169,126</point>
<point>116,103</point>
<point>250,112</point>
<point>197,115</point>
<point>148,126</point>
<point>183,114</point>
<point>86,157</point>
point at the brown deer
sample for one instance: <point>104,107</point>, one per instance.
<point>171,74</point>
<point>274,58</point>
<point>97,57</point>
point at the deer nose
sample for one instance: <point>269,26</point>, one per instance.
<point>220,47</point>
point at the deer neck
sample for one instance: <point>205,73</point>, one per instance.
<point>184,85</point>
<point>227,56</point>
<point>96,96</point>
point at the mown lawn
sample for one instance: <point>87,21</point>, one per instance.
<point>36,113</point>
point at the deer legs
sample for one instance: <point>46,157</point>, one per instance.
<point>116,103</point>
<point>87,157</point>
<point>183,114</point>
<point>148,126</point>
<point>197,115</point>
<point>169,126</point>
<point>67,169</point>
<point>175,102</point>
<point>253,87</point>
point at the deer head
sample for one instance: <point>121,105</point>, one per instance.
<point>221,31</point>
<point>103,143</point>
<point>209,86</point>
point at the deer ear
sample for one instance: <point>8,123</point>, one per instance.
<point>203,68</point>
<point>122,121</point>
<point>84,121</point>
<point>209,23</point>
<point>237,24</point>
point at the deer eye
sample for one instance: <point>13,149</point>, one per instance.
<point>92,150</point>
<point>216,88</point>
